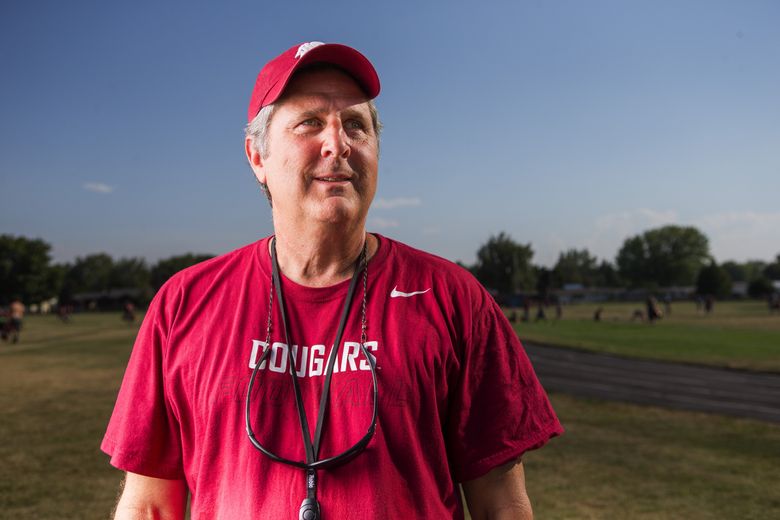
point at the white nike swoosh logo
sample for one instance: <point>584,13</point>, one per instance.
<point>396,293</point>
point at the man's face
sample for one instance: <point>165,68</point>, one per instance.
<point>322,157</point>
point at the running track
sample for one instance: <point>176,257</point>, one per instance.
<point>691,387</point>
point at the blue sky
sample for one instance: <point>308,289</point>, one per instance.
<point>565,124</point>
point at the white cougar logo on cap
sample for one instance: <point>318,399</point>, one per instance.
<point>306,47</point>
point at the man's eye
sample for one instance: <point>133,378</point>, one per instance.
<point>311,122</point>
<point>353,124</point>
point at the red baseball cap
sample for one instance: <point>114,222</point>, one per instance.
<point>273,78</point>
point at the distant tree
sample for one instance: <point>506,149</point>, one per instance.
<point>744,272</point>
<point>56,278</point>
<point>737,271</point>
<point>504,265</point>
<point>633,261</point>
<point>754,269</point>
<point>544,282</point>
<point>130,272</point>
<point>24,269</point>
<point>666,256</point>
<point>713,280</point>
<point>772,271</point>
<point>607,275</point>
<point>91,273</point>
<point>576,266</point>
<point>167,267</point>
<point>760,287</point>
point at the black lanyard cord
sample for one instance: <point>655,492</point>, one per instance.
<point>291,359</point>
<point>325,397</point>
<point>310,508</point>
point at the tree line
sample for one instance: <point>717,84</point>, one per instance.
<point>28,274</point>
<point>667,256</point>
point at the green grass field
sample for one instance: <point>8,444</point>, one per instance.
<point>620,461</point>
<point>56,391</point>
<point>58,385</point>
<point>736,334</point>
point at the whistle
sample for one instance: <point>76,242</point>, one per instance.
<point>310,509</point>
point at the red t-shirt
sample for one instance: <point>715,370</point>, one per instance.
<point>457,394</point>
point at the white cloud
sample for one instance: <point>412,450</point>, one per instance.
<point>740,219</point>
<point>733,235</point>
<point>548,247</point>
<point>742,235</point>
<point>98,187</point>
<point>383,223</point>
<point>635,221</point>
<point>397,202</point>
<point>610,230</point>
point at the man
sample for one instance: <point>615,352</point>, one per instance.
<point>17,317</point>
<point>324,370</point>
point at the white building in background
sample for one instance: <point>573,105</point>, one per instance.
<point>739,289</point>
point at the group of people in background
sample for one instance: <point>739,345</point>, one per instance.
<point>12,316</point>
<point>541,306</point>
<point>654,310</point>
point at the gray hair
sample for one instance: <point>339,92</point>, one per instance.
<point>257,129</point>
<point>257,132</point>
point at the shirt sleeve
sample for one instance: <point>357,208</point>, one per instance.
<point>499,409</point>
<point>143,433</point>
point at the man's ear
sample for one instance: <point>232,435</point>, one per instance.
<point>255,160</point>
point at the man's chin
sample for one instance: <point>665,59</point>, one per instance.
<point>336,210</point>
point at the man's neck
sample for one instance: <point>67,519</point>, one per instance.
<point>323,257</point>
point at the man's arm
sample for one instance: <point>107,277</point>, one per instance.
<point>499,495</point>
<point>147,498</point>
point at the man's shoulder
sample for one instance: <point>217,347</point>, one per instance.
<point>217,269</point>
<point>428,264</point>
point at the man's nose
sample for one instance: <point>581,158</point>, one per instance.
<point>335,141</point>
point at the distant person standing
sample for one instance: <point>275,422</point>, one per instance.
<point>128,314</point>
<point>709,304</point>
<point>540,314</point>
<point>653,312</point>
<point>63,313</point>
<point>668,304</point>
<point>17,315</point>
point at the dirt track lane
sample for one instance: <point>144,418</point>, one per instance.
<point>690,387</point>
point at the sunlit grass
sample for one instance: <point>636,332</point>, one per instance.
<point>625,461</point>
<point>57,388</point>
<point>736,334</point>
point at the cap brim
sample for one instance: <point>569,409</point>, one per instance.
<point>347,58</point>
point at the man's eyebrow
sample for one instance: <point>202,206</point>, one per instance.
<point>355,112</point>
<point>351,111</point>
<point>312,112</point>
